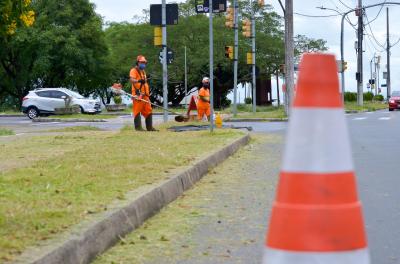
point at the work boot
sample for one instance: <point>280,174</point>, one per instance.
<point>138,123</point>
<point>149,123</point>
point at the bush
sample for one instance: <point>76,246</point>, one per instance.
<point>248,100</point>
<point>368,96</point>
<point>378,98</point>
<point>350,97</point>
<point>117,99</point>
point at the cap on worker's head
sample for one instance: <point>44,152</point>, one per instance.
<point>141,58</point>
<point>205,79</point>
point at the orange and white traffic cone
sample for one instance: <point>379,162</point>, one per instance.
<point>317,217</point>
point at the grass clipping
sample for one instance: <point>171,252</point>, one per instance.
<point>52,193</point>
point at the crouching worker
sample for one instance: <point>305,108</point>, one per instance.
<point>203,102</point>
<point>141,95</point>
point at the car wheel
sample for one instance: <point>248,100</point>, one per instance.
<point>82,111</point>
<point>32,112</point>
<point>391,109</point>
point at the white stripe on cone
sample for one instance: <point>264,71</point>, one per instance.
<point>315,145</point>
<point>276,256</point>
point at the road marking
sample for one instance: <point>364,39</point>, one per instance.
<point>359,118</point>
<point>385,118</point>
<point>46,123</point>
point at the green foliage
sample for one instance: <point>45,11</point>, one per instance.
<point>64,48</point>
<point>368,96</point>
<point>248,100</point>
<point>117,99</point>
<point>350,97</point>
<point>378,98</point>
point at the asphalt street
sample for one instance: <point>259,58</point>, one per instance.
<point>374,138</point>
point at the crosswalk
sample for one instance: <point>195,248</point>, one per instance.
<point>380,116</point>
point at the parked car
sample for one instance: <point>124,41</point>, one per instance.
<point>44,101</point>
<point>394,101</point>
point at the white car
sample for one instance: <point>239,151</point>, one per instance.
<point>43,102</point>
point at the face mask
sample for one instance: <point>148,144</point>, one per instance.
<point>206,85</point>
<point>142,66</point>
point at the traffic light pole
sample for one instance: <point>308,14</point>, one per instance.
<point>388,84</point>
<point>235,60</point>
<point>253,55</point>
<point>211,33</point>
<point>185,78</point>
<point>360,55</point>
<point>165,67</point>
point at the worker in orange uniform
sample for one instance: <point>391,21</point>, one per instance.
<point>203,104</point>
<point>141,93</point>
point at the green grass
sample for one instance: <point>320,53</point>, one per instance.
<point>6,132</point>
<point>83,116</point>
<point>367,106</point>
<point>76,129</point>
<point>10,112</point>
<point>49,183</point>
<point>246,111</point>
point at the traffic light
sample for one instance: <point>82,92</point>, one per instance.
<point>229,52</point>
<point>261,2</point>
<point>246,28</point>
<point>344,65</point>
<point>229,17</point>
<point>157,36</point>
<point>249,58</point>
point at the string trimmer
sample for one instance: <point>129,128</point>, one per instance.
<point>178,118</point>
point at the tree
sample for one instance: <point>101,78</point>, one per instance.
<point>303,44</point>
<point>65,47</point>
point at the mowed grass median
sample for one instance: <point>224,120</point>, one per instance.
<point>54,182</point>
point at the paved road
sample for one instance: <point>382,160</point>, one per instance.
<point>227,234</point>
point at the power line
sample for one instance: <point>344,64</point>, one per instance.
<point>380,10</point>
<point>372,32</point>
<point>345,4</point>
<point>315,16</point>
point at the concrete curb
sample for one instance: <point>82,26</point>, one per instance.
<point>82,246</point>
<point>66,120</point>
<point>256,120</point>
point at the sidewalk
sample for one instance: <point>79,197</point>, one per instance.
<point>221,220</point>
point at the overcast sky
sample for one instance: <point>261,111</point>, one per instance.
<point>327,28</point>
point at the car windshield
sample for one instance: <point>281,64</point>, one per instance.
<point>396,93</point>
<point>76,95</point>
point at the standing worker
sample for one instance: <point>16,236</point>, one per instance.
<point>203,104</point>
<point>141,94</point>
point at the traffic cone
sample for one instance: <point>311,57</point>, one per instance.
<point>317,217</point>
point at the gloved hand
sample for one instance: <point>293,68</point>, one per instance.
<point>141,81</point>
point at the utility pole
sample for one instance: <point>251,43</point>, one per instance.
<point>360,54</point>
<point>165,59</point>
<point>185,78</point>
<point>211,33</point>
<point>253,55</point>
<point>389,92</point>
<point>235,60</point>
<point>289,54</point>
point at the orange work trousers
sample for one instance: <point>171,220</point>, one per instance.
<point>140,107</point>
<point>203,111</point>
